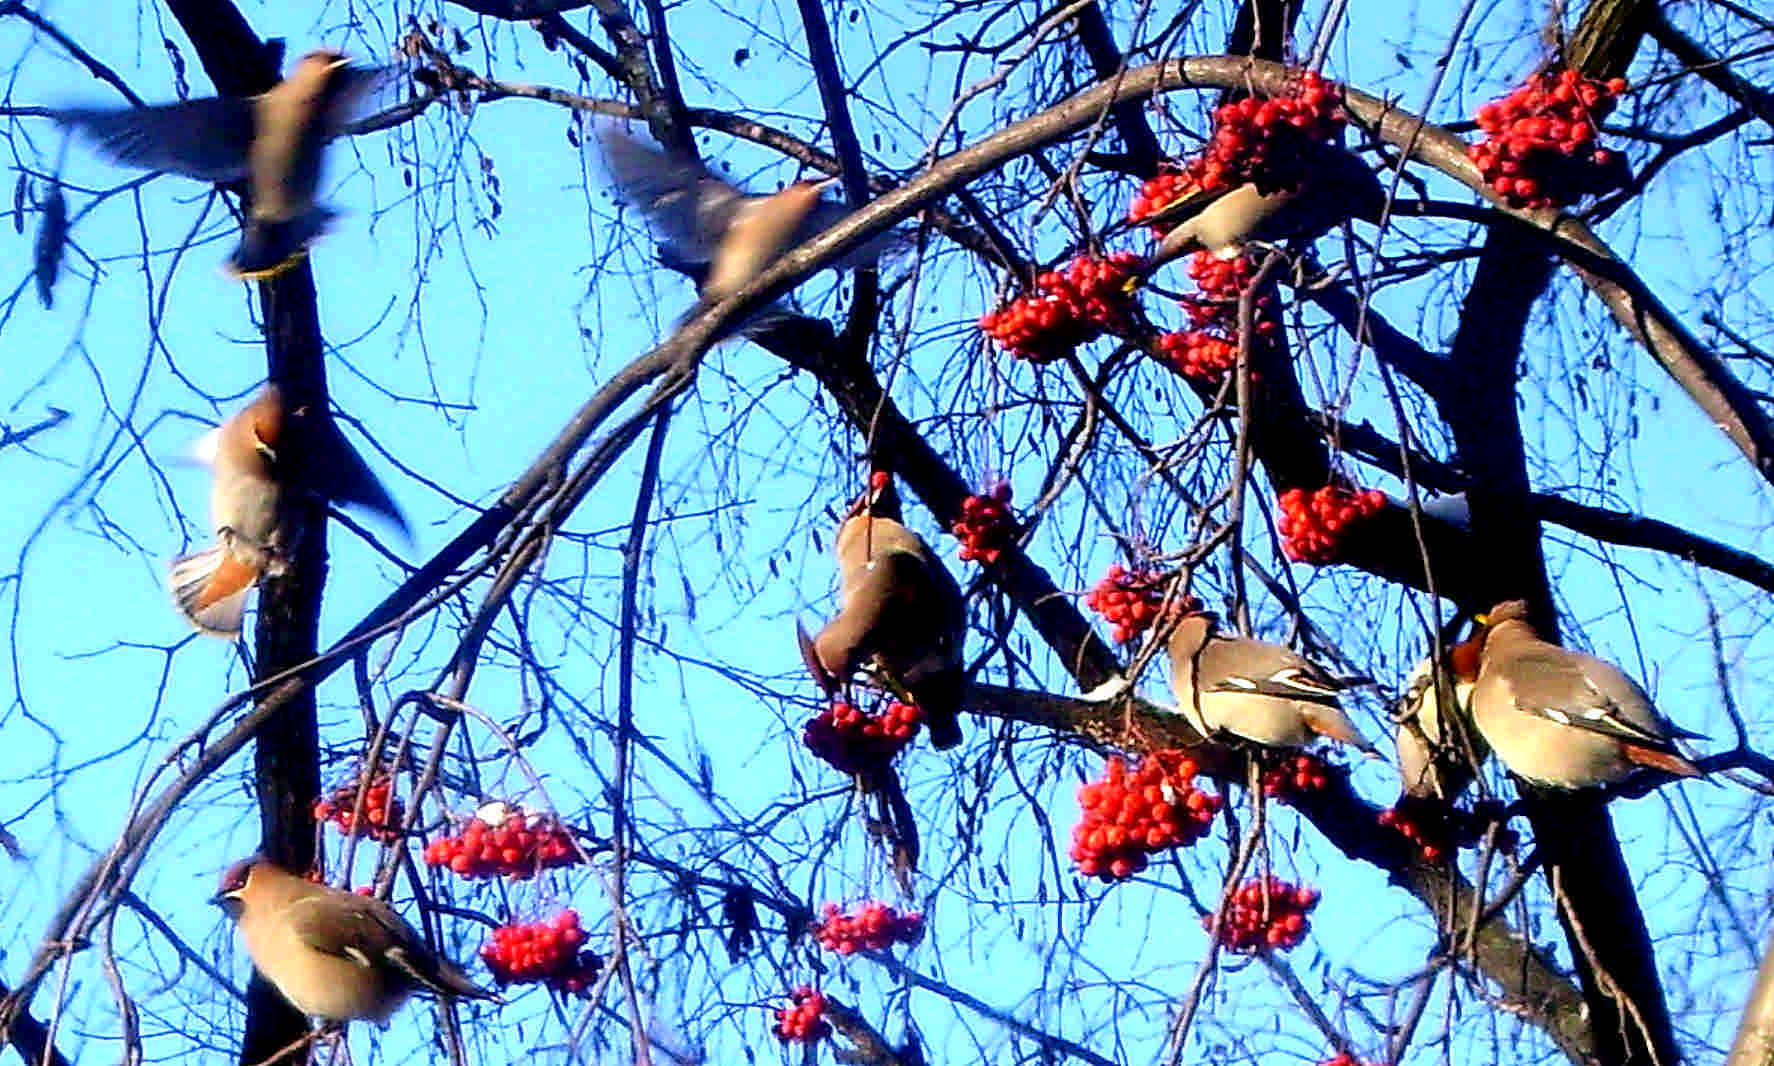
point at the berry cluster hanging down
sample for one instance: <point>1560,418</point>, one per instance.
<point>1091,297</point>
<point>1436,827</point>
<point>1128,817</point>
<point>1314,524</point>
<point>1131,601</point>
<point>382,813</point>
<point>1208,349</point>
<point>545,952</point>
<point>1299,772</point>
<point>504,839</point>
<point>854,741</point>
<point>874,926</point>
<point>803,1020</point>
<point>985,527</point>
<point>1540,147</point>
<point>1265,915</point>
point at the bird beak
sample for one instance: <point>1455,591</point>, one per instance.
<point>1483,620</point>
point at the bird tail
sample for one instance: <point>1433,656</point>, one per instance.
<point>1333,723</point>
<point>210,588</point>
<point>269,247</point>
<point>939,697</point>
<point>440,977</point>
<point>810,656</point>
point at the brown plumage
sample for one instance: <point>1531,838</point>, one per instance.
<point>1562,718</point>
<point>1261,692</point>
<point>275,141</point>
<point>900,613</point>
<point>1432,753</point>
<point>334,954</point>
<point>255,531</point>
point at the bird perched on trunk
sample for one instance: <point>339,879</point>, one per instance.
<point>275,141</point>
<point>707,227</point>
<point>900,613</point>
<point>255,530</point>
<point>1261,692</point>
<point>333,954</point>
<point>1438,748</point>
<point>1562,718</point>
<point>1337,186</point>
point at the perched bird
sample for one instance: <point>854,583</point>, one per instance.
<point>708,227</point>
<point>254,530</point>
<point>1261,692</point>
<point>275,141</point>
<point>901,613</point>
<point>1339,186</point>
<point>1433,755</point>
<point>333,954</point>
<point>1562,718</point>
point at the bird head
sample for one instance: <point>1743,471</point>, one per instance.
<point>231,896</point>
<point>1509,611</point>
<point>264,419</point>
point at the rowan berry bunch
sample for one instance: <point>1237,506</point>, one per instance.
<point>1540,147</point>
<point>874,926</point>
<point>382,812</point>
<point>1198,355</point>
<point>1170,184</point>
<point>1130,600</point>
<point>803,1020</point>
<point>1265,914</point>
<point>544,952</point>
<point>1437,827</point>
<point>1264,140</point>
<point>1092,296</point>
<point>986,526</point>
<point>1298,773</point>
<point>853,740</point>
<point>504,839</point>
<point>1128,817</point>
<point>1314,524</point>
<point>1208,349</point>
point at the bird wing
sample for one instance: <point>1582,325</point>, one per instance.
<point>204,139</point>
<point>1234,664</point>
<point>688,208</point>
<point>1582,692</point>
<point>368,932</point>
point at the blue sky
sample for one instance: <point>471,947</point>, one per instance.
<point>465,366</point>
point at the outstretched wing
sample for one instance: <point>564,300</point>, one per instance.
<point>204,139</point>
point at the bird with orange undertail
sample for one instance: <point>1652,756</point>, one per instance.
<point>1336,187</point>
<point>255,530</point>
<point>334,954</point>
<point>1261,692</point>
<point>1561,718</point>
<point>275,141</point>
<point>901,614</point>
<point>711,228</point>
<point>1436,742</point>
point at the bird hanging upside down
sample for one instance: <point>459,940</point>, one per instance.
<point>901,614</point>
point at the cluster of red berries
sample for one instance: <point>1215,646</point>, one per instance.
<point>1130,816</point>
<point>875,926</point>
<point>1208,349</point>
<point>1091,297</point>
<point>803,1020</point>
<point>1299,772</point>
<point>504,838</point>
<point>1313,523</point>
<point>854,741</point>
<point>985,527</point>
<point>1265,914</point>
<point>1342,1058</point>
<point>1437,827</point>
<point>546,951</point>
<point>1130,600</point>
<point>1540,140</point>
<point>382,813</point>
<point>1262,140</point>
<point>1171,184</point>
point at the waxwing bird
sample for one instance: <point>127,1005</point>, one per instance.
<point>275,141</point>
<point>1261,692</point>
<point>333,954</point>
<point>900,612</point>
<point>1337,187</point>
<point>707,226</point>
<point>254,530</point>
<point>1562,718</point>
<point>1435,725</point>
